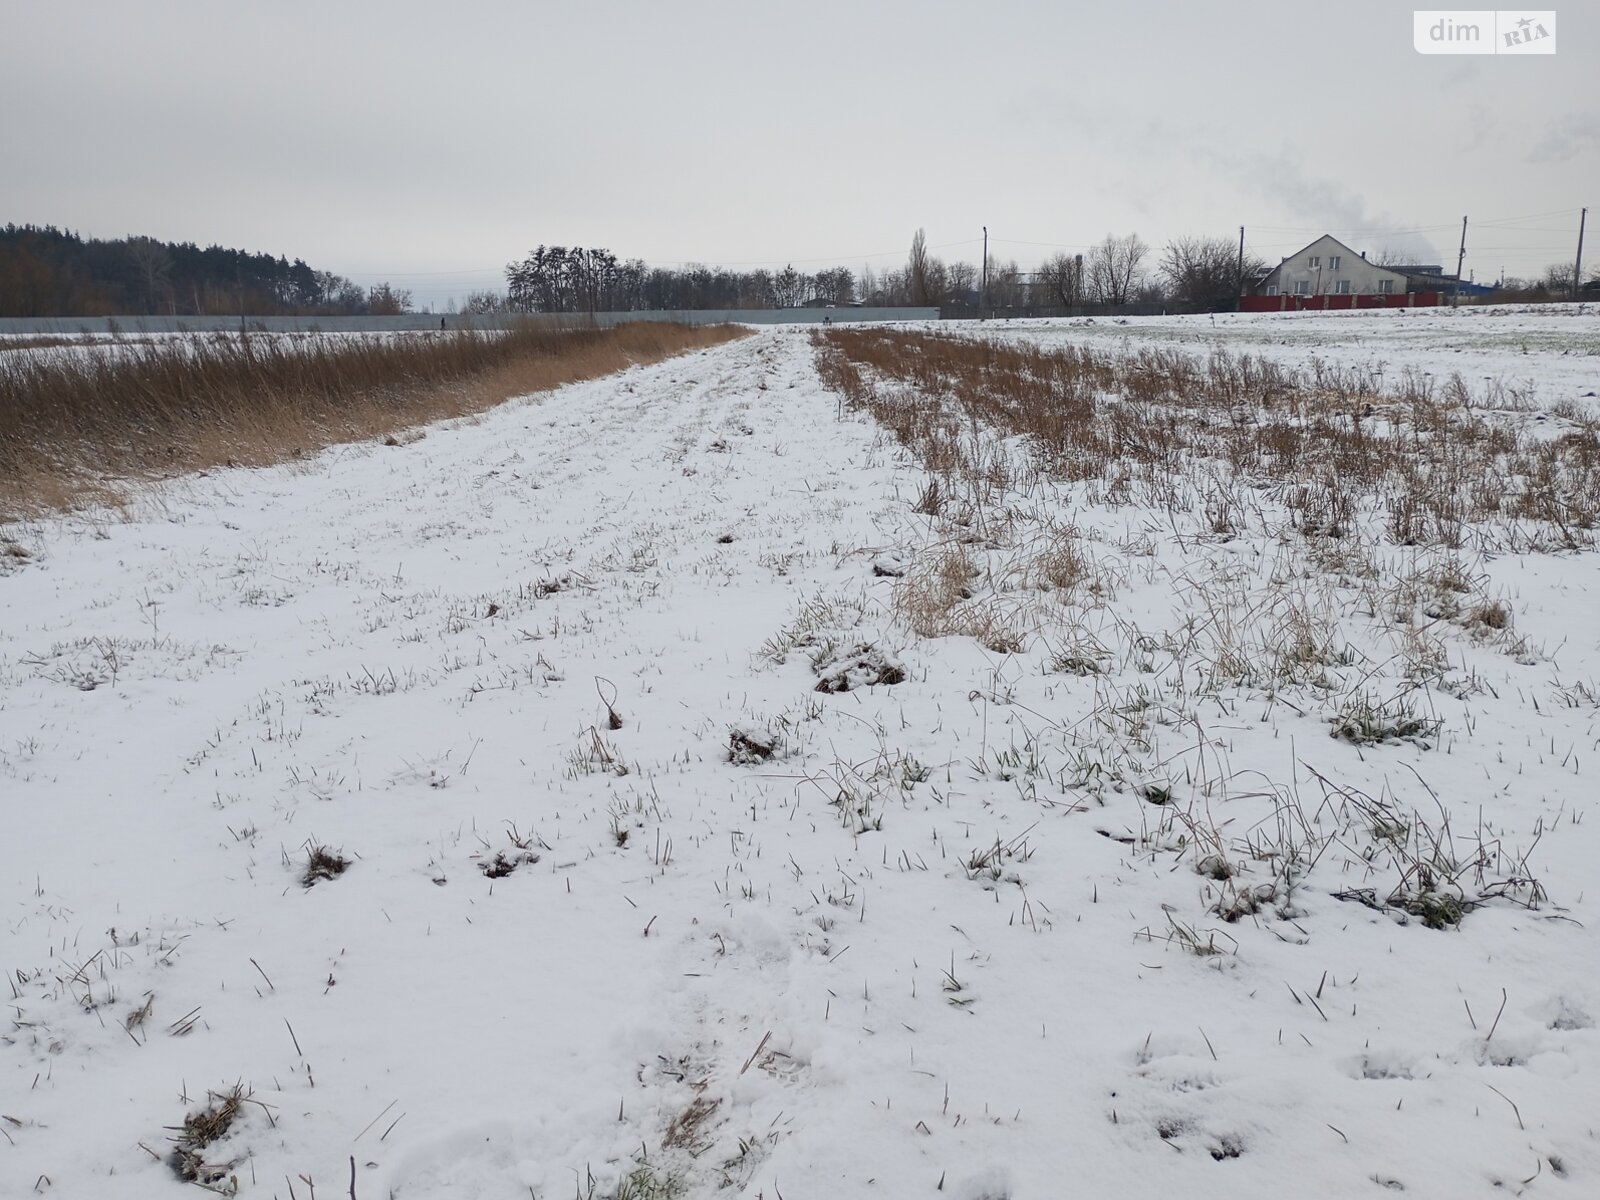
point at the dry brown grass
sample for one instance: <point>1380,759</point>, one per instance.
<point>1178,433</point>
<point>932,588</point>
<point>89,422</point>
<point>938,597</point>
<point>198,1131</point>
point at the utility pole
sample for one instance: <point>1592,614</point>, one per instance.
<point>983,300</point>
<point>1241,263</point>
<point>1577,267</point>
<point>1455,288</point>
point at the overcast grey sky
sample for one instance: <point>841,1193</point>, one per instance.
<point>430,143</point>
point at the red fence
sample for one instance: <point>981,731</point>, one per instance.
<point>1318,303</point>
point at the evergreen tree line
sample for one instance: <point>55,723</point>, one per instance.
<point>50,272</point>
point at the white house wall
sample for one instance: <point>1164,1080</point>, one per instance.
<point>1364,278</point>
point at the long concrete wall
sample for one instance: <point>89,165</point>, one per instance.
<point>66,326</point>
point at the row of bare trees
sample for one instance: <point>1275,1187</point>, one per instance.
<point>1556,283</point>
<point>559,279</point>
<point>1201,273</point>
<point>1190,273</point>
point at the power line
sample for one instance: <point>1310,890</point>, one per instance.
<point>1047,245</point>
<point>682,262</point>
<point>1352,229</point>
<point>1560,212</point>
<point>1507,223</point>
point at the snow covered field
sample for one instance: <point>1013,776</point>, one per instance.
<point>1551,351</point>
<point>631,908</point>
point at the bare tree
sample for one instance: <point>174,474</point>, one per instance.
<point>834,285</point>
<point>384,300</point>
<point>1005,284</point>
<point>154,264</point>
<point>1061,279</point>
<point>1203,273</point>
<point>869,285</point>
<point>960,279</point>
<point>918,270</point>
<point>1114,268</point>
<point>1389,256</point>
<point>1558,280</point>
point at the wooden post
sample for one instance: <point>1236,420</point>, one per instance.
<point>1577,266</point>
<point>1241,263</point>
<point>983,300</point>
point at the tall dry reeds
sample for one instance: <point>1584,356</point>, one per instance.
<point>1177,432</point>
<point>93,419</point>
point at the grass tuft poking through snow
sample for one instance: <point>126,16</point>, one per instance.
<point>321,864</point>
<point>202,1128</point>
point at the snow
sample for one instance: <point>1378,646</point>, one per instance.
<point>954,932</point>
<point>1548,353</point>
